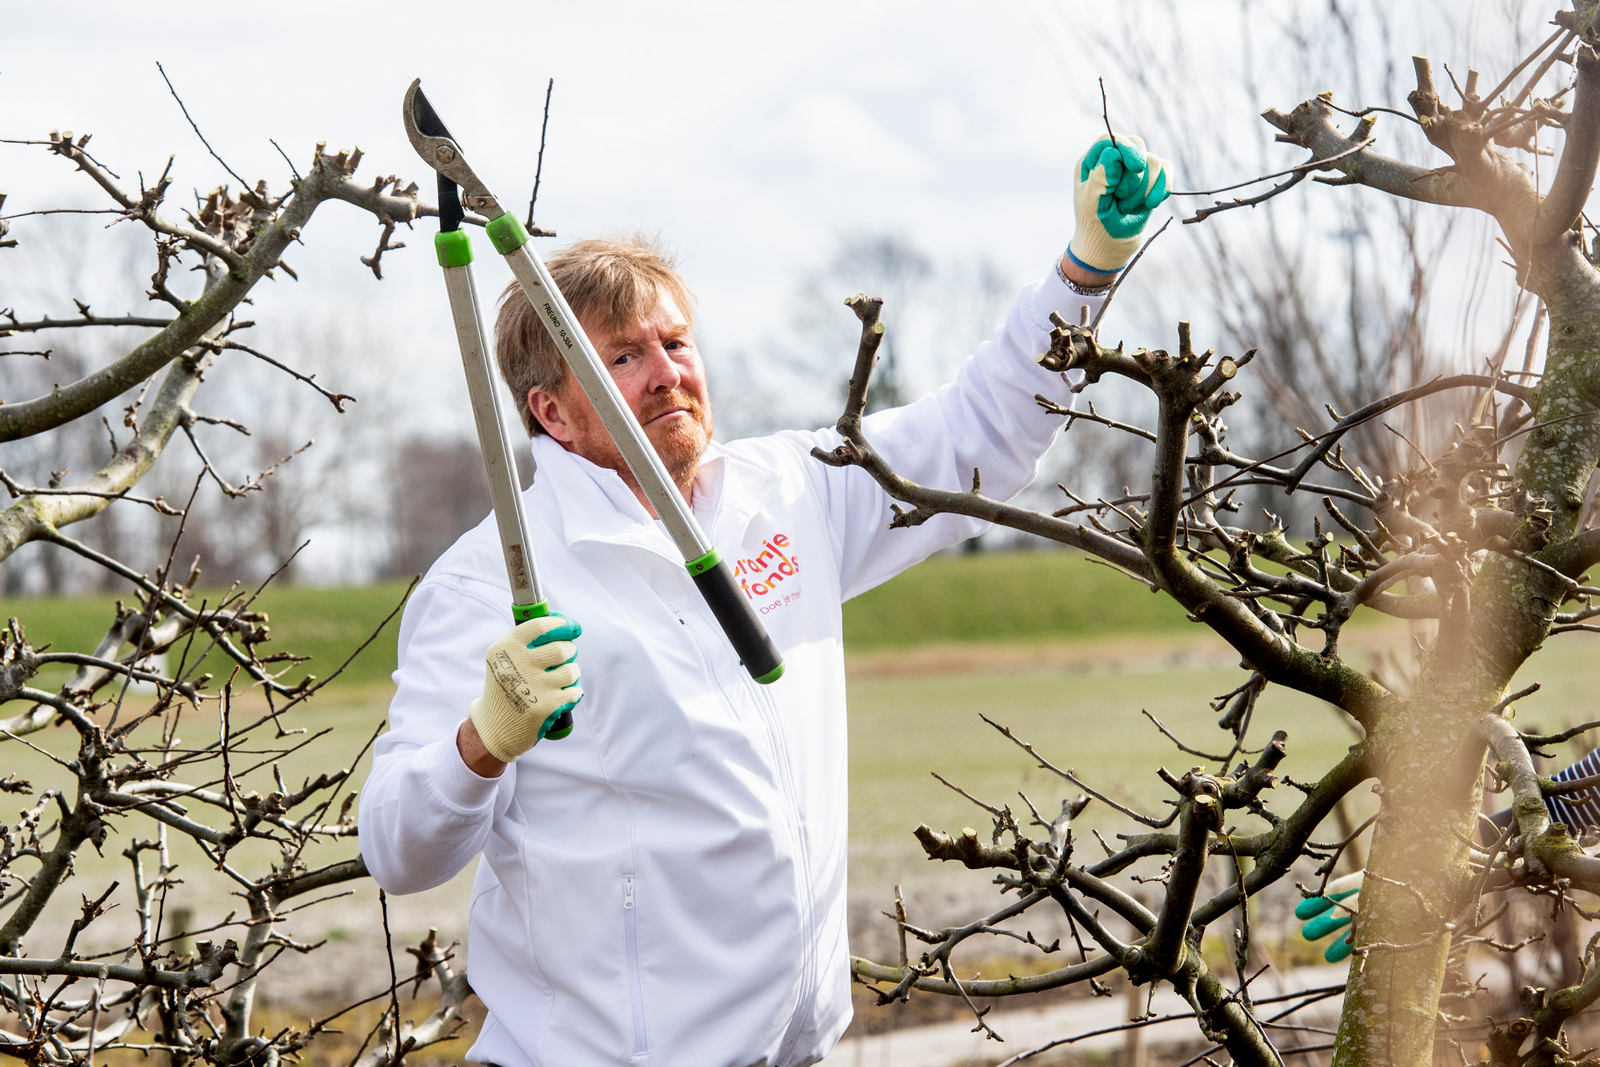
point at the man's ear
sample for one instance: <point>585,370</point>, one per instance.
<point>550,412</point>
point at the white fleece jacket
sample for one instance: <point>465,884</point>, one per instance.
<point>666,886</point>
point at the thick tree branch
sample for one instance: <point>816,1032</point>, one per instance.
<point>976,987</point>
<point>214,959</point>
<point>328,180</point>
<point>1574,179</point>
<point>1311,125</point>
<point>1275,655</point>
<point>36,516</point>
<point>1199,816</point>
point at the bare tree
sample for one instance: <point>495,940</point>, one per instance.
<point>771,384</point>
<point>175,815</point>
<point>438,493</point>
<point>1486,535</point>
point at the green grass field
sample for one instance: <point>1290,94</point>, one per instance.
<point>999,597</point>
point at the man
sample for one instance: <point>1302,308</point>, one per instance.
<point>666,885</point>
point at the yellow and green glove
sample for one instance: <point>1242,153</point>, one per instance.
<point>1329,912</point>
<point>1117,185</point>
<point>531,679</point>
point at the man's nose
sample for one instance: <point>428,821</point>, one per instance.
<point>665,374</point>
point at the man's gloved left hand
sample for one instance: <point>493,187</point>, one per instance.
<point>1117,185</point>
<point>531,679</point>
<point>1329,912</point>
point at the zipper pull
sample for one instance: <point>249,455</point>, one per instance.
<point>627,894</point>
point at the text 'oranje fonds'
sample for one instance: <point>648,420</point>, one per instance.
<point>761,574</point>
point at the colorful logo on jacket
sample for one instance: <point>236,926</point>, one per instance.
<point>768,575</point>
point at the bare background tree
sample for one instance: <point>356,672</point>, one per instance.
<point>781,380</point>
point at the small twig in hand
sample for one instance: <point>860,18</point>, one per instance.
<point>1296,176</point>
<point>1105,111</point>
<point>242,183</point>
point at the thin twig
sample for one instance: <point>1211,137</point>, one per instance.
<point>991,809</point>
<point>538,166</point>
<point>1098,315</point>
<point>242,183</point>
<point>286,158</point>
<point>1068,774</point>
<point>1310,165</point>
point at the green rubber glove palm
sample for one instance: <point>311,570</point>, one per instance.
<point>531,679</point>
<point>1117,185</point>
<point>1329,912</point>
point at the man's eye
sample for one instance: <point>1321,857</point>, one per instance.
<point>620,358</point>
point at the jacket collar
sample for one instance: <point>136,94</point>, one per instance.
<point>584,502</point>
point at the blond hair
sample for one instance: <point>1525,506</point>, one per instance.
<point>610,284</point>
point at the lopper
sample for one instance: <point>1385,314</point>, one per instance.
<point>460,188</point>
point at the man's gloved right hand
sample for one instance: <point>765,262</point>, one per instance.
<point>1322,915</point>
<point>1117,185</point>
<point>531,680</point>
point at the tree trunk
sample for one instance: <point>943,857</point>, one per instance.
<point>1415,874</point>
<point>1431,749</point>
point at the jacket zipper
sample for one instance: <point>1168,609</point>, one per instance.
<point>778,752</point>
<point>630,933</point>
<point>808,953</point>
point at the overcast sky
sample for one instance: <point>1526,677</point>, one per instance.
<point>748,137</point>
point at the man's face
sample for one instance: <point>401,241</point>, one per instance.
<point>658,371</point>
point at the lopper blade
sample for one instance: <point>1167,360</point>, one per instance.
<point>432,141</point>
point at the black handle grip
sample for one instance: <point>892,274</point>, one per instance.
<point>561,729</point>
<point>733,610</point>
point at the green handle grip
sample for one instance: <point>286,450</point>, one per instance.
<point>732,609</point>
<point>522,613</point>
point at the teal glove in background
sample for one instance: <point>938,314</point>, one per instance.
<point>1330,912</point>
